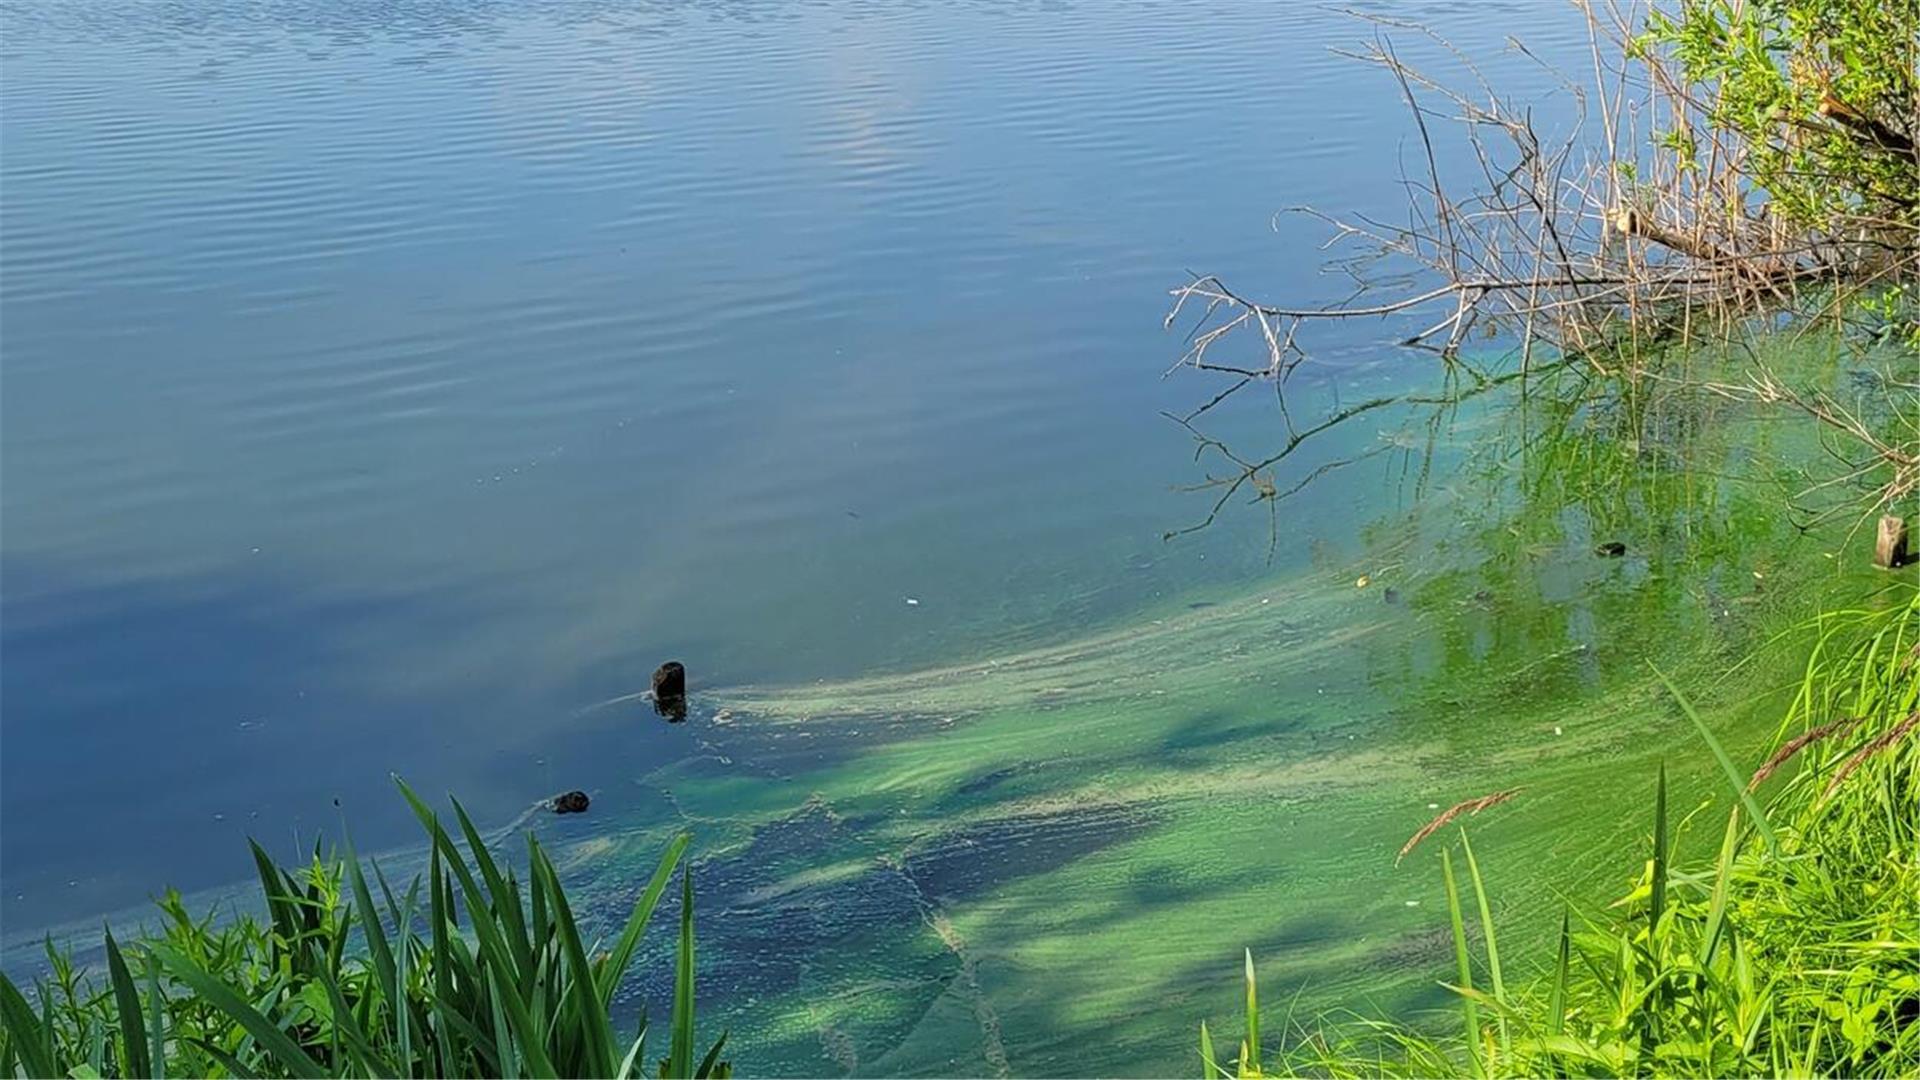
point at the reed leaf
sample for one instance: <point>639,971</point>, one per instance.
<point>134,1046</point>
<point>1739,786</point>
<point>222,997</point>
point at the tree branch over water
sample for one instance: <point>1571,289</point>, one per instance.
<point>1682,226</point>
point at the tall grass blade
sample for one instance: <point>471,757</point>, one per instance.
<point>509,1053</point>
<point>1657,893</point>
<point>635,1054</point>
<point>1717,907</point>
<point>355,1038</point>
<point>1557,997</point>
<point>133,1025</point>
<point>589,1011</point>
<point>1250,1058</point>
<point>614,965</point>
<point>1493,947</point>
<point>1470,1011</point>
<point>279,903</point>
<point>402,1011</point>
<point>497,954</point>
<point>233,1065</point>
<point>372,927</point>
<point>1209,1069</point>
<point>506,897</point>
<point>680,1045</point>
<point>711,1065</point>
<point>440,914</point>
<point>1726,765</point>
<point>156,1025</point>
<point>222,997</point>
<point>24,1031</point>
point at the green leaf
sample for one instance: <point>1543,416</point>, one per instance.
<point>711,1065</point>
<point>1726,764</point>
<point>1464,963</point>
<point>506,897</point>
<point>1717,908</point>
<point>1557,998</point>
<point>617,959</point>
<point>530,1048</point>
<point>635,1053</point>
<point>1209,1069</point>
<point>680,1046</point>
<point>372,928</point>
<point>446,1035</point>
<point>24,1031</point>
<point>357,1043</point>
<point>222,997</point>
<point>280,904</point>
<point>590,1012</point>
<point>156,1024</point>
<point>1250,1059</point>
<point>1657,895</point>
<point>1493,948</point>
<point>133,1026</point>
<point>234,1066</point>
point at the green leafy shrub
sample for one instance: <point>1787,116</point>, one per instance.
<point>1824,94</point>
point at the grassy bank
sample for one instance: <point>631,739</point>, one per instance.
<point>1794,951</point>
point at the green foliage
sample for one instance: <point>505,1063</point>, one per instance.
<point>1824,94</point>
<point>488,978</point>
<point>1796,957</point>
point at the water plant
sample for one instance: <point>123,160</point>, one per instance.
<point>484,975</point>
<point>1795,951</point>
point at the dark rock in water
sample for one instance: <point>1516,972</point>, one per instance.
<point>672,709</point>
<point>670,691</point>
<point>1612,549</point>
<point>670,680</point>
<point>573,802</point>
<point>1392,595</point>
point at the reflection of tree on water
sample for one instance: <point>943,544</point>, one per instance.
<point>1581,536</point>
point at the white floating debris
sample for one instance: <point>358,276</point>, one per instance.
<point>1433,806</point>
<point>1413,903</point>
<point>1556,729</point>
<point>911,602</point>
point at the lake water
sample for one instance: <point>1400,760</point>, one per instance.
<point>388,385</point>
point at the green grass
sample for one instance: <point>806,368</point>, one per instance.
<point>484,976</point>
<point>1795,951</point>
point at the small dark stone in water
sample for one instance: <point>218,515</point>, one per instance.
<point>670,680</point>
<point>1392,595</point>
<point>1483,597</point>
<point>573,802</point>
<point>1612,549</point>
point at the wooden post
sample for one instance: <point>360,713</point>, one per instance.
<point>1890,550</point>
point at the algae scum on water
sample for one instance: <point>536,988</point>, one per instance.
<point>1049,862</point>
